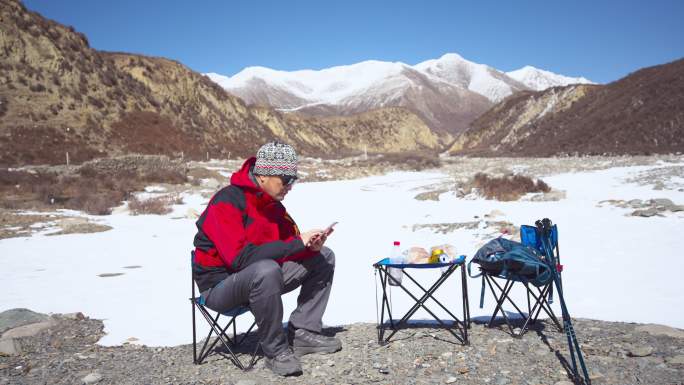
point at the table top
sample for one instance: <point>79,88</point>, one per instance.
<point>386,262</point>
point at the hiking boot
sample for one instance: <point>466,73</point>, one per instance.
<point>284,364</point>
<point>306,342</point>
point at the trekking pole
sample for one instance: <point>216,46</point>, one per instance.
<point>544,230</point>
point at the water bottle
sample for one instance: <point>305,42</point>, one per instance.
<point>395,258</point>
<point>444,258</point>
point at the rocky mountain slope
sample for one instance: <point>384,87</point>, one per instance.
<point>59,95</point>
<point>640,114</point>
<point>448,93</point>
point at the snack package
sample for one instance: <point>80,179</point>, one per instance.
<point>416,255</point>
<point>448,249</point>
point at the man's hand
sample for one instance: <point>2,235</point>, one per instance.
<point>307,237</point>
<point>317,241</point>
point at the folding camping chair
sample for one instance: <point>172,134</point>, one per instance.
<point>542,294</point>
<point>220,332</point>
<point>459,328</point>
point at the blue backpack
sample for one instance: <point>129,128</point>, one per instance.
<point>512,260</point>
<point>522,262</point>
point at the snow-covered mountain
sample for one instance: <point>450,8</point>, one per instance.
<point>448,93</point>
<point>539,80</point>
<point>482,79</point>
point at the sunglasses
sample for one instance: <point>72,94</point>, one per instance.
<point>287,180</point>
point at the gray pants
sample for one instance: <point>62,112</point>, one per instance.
<point>262,283</point>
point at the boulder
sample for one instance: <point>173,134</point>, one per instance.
<point>13,318</point>
<point>662,202</point>
<point>9,347</point>
<point>661,330</point>
<point>676,360</point>
<point>29,330</point>
<point>640,351</point>
<point>645,213</point>
<point>92,378</point>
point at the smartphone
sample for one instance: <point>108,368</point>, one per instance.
<point>329,229</point>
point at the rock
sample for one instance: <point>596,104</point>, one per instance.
<point>676,360</point>
<point>13,318</point>
<point>210,183</point>
<point>645,213</point>
<point>78,316</point>
<point>9,347</point>
<point>495,213</point>
<point>92,378</point>
<point>563,383</point>
<point>662,202</point>
<point>634,203</point>
<point>553,195</point>
<point>640,351</point>
<point>450,380</point>
<point>463,370</point>
<point>245,381</point>
<point>28,330</point>
<point>595,376</point>
<point>660,330</point>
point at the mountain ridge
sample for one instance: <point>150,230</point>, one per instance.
<point>429,89</point>
<point>58,96</point>
<point>642,113</point>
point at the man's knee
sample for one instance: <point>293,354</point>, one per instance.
<point>328,256</point>
<point>267,278</point>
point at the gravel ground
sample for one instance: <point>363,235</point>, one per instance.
<point>616,353</point>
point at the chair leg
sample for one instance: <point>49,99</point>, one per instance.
<point>544,305</point>
<point>194,333</point>
<point>204,352</point>
<point>226,341</point>
<point>245,335</point>
<point>220,336</point>
<point>505,295</point>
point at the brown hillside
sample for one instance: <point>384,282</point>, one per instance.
<point>59,95</point>
<point>642,113</point>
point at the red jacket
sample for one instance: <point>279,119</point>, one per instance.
<point>241,225</point>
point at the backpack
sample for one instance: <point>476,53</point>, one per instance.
<point>511,260</point>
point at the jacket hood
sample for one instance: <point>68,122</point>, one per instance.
<point>241,177</point>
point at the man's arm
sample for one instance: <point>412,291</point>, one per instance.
<point>224,226</point>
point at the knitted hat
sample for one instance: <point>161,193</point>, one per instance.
<point>276,158</point>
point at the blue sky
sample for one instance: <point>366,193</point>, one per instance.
<point>601,40</point>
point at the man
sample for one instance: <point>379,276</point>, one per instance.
<point>248,250</point>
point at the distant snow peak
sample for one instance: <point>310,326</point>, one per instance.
<point>538,79</point>
<point>340,83</point>
<point>447,93</point>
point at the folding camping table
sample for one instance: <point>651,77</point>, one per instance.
<point>458,328</point>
